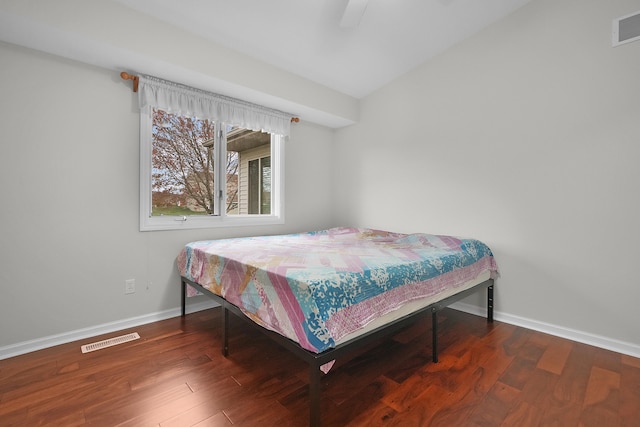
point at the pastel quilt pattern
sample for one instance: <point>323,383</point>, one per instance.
<point>318,287</point>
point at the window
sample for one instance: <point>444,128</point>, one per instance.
<point>182,165</point>
<point>199,171</point>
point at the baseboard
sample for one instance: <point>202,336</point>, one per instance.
<point>53,340</point>
<point>571,334</point>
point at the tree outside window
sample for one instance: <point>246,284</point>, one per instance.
<point>184,168</point>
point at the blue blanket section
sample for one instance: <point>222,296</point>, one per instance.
<point>333,290</point>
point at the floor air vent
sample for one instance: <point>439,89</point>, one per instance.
<point>109,343</point>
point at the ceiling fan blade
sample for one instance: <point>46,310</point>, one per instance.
<point>353,13</point>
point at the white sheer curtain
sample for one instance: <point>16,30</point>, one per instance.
<point>176,98</point>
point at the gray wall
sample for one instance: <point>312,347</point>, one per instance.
<point>526,136</point>
<point>69,159</point>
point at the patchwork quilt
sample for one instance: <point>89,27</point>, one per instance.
<point>318,287</point>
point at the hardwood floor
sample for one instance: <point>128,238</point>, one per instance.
<point>175,375</point>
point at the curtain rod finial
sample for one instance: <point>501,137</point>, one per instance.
<point>127,76</point>
<point>295,119</point>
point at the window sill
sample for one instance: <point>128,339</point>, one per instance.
<point>176,223</point>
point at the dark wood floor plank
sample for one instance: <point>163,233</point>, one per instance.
<point>609,360</point>
<point>518,373</point>
<point>630,361</point>
<point>136,408</point>
<point>218,420</point>
<point>459,404</point>
<point>60,417</point>
<point>555,356</point>
<point>560,413</point>
<point>572,383</point>
<point>377,415</point>
<point>175,375</point>
<point>402,396</point>
<point>49,393</point>
<point>630,393</point>
<point>358,403</point>
<point>199,405</point>
<point>602,388</point>
<point>420,411</point>
<point>495,406</point>
<point>523,414</point>
<point>262,412</point>
<point>516,340</point>
<point>17,418</point>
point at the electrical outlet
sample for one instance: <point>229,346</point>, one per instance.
<point>129,286</point>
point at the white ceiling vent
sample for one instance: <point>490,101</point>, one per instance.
<point>626,29</point>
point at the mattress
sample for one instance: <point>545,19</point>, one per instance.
<point>325,287</point>
<point>415,305</point>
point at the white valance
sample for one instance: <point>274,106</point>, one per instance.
<point>173,97</point>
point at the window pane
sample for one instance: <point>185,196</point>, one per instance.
<point>265,197</point>
<point>254,186</point>
<point>182,181</point>
<point>249,183</point>
<point>232,182</point>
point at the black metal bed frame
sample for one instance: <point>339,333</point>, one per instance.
<point>316,360</point>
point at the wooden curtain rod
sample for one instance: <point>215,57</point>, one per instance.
<point>136,79</point>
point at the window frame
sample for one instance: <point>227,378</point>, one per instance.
<point>158,223</point>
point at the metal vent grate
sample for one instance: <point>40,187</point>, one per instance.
<point>626,29</point>
<point>110,342</point>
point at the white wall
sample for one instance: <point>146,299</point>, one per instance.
<point>526,136</point>
<point>69,156</point>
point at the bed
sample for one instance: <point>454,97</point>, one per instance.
<point>324,294</point>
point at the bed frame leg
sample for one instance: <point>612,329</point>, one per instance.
<point>225,330</point>
<point>184,302</point>
<point>315,375</point>
<point>434,335</point>
<point>490,303</point>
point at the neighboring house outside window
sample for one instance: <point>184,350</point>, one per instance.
<point>254,170</point>
<point>260,186</point>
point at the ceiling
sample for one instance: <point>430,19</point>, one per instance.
<point>382,40</point>
<point>352,47</point>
